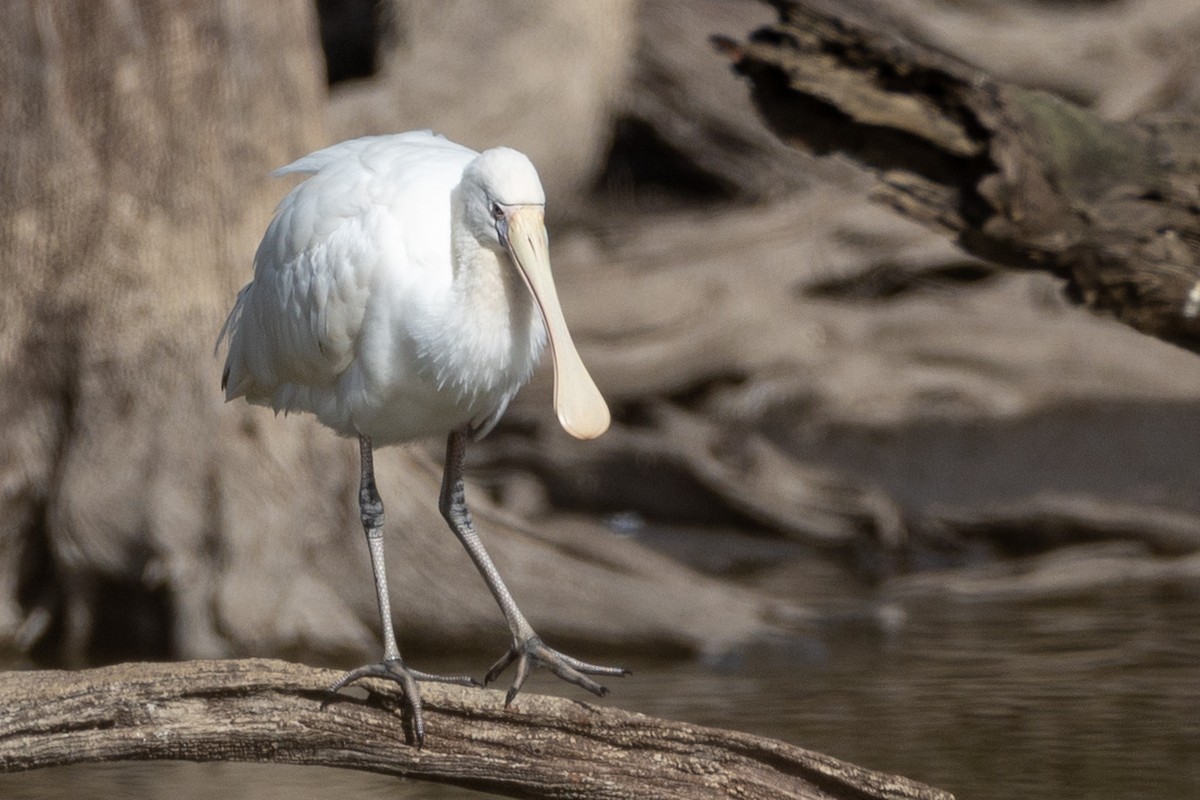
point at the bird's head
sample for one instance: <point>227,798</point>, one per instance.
<point>505,207</point>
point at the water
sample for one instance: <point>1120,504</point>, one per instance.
<point>1093,697</point>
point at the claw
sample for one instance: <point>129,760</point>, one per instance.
<point>501,665</point>
<point>395,671</point>
<point>532,653</point>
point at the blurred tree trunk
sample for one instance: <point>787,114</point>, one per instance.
<point>537,75</point>
<point>137,138</point>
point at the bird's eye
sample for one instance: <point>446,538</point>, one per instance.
<point>497,211</point>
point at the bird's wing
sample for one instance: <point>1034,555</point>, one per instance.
<point>300,319</point>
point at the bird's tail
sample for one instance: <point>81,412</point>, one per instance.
<point>228,332</point>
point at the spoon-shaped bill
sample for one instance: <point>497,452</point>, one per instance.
<point>580,408</point>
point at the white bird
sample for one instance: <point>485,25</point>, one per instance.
<point>404,291</point>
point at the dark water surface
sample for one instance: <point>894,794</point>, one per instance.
<point>1089,698</point>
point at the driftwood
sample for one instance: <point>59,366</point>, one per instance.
<point>1020,177</point>
<point>540,747</point>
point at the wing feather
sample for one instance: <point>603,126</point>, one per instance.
<point>296,328</point>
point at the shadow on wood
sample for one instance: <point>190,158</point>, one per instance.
<point>541,747</point>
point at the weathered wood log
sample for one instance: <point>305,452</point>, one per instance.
<point>541,747</point>
<point>1020,177</point>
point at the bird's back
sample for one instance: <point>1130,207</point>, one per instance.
<point>372,206</point>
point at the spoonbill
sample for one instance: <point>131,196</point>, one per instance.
<point>400,292</point>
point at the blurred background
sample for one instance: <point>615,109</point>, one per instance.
<point>863,493</point>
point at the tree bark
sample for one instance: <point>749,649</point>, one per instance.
<point>1021,177</point>
<point>541,747</point>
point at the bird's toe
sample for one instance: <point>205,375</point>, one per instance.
<point>407,679</point>
<point>533,653</point>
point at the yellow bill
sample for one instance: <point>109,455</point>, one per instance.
<point>578,403</point>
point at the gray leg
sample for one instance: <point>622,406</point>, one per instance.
<point>391,667</point>
<point>527,649</point>
<point>370,506</point>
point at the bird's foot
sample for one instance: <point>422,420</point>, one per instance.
<point>393,669</point>
<point>532,653</point>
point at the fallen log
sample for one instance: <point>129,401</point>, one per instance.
<point>540,747</point>
<point>1019,177</point>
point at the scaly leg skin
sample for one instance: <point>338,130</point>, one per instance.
<point>391,667</point>
<point>527,649</point>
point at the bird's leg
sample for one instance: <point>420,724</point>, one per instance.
<point>527,648</point>
<point>391,667</point>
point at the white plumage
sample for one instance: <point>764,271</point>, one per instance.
<point>402,291</point>
<point>358,311</point>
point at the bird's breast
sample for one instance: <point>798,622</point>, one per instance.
<point>489,335</point>
<point>456,353</point>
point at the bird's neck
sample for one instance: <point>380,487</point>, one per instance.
<point>493,331</point>
<point>484,285</point>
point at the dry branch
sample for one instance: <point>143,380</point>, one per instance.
<point>541,747</point>
<point>1020,177</point>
